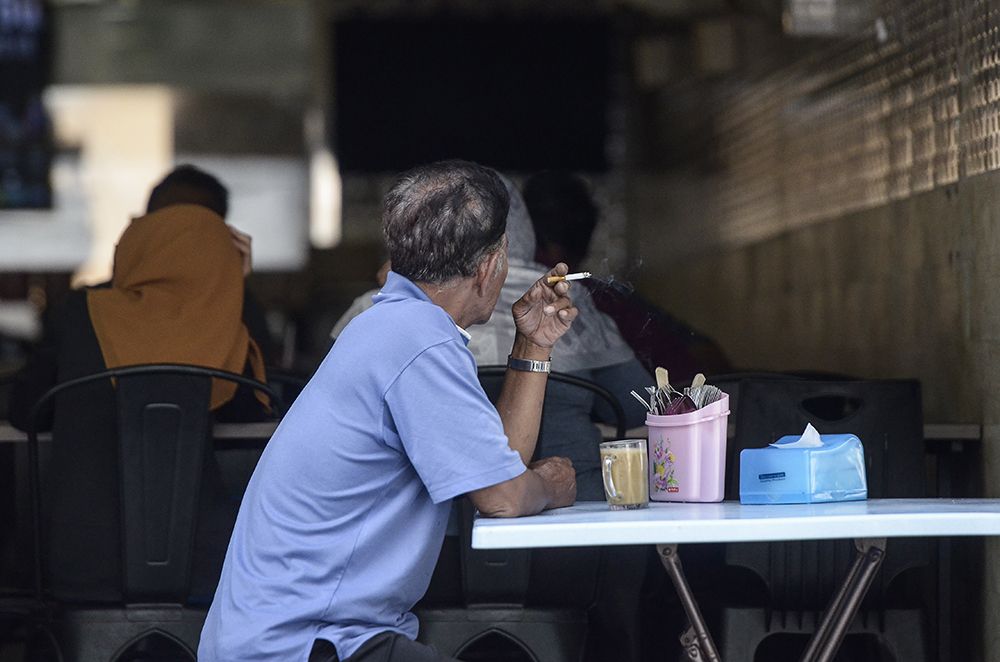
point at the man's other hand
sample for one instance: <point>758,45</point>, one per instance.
<point>545,311</point>
<point>559,478</point>
<point>548,483</point>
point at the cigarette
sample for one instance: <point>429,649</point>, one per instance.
<point>552,280</point>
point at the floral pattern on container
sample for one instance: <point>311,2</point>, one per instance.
<point>663,468</point>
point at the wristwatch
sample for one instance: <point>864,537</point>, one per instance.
<point>528,365</point>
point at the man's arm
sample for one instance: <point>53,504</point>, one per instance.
<point>521,398</point>
<point>542,315</point>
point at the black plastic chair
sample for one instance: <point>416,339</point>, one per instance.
<point>8,500</point>
<point>798,578</point>
<point>164,431</point>
<point>491,377</point>
<point>287,384</point>
<point>496,595</point>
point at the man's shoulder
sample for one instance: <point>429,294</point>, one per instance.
<point>391,334</point>
<point>413,319</point>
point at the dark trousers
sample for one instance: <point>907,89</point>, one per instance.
<point>385,647</point>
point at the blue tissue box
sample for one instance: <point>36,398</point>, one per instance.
<point>834,471</point>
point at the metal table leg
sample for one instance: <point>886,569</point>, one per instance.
<point>696,640</point>
<point>830,633</point>
<point>947,467</point>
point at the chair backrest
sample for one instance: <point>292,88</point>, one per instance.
<point>887,416</point>
<point>491,377</point>
<point>163,432</point>
<point>287,384</point>
<point>730,383</point>
<point>163,425</point>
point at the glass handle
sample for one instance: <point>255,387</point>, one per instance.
<point>609,484</point>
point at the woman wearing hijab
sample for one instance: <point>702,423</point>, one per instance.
<point>592,349</point>
<point>176,296</point>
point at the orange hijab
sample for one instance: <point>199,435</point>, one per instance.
<point>177,297</point>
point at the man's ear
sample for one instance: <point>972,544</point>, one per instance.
<point>486,270</point>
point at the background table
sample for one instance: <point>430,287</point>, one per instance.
<point>252,431</point>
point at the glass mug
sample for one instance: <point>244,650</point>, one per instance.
<point>624,466</point>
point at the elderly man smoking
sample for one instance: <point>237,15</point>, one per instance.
<point>342,521</point>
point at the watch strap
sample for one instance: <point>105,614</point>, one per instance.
<point>528,365</point>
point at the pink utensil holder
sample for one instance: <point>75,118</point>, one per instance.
<point>687,454</point>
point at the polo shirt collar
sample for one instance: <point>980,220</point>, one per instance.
<point>400,287</point>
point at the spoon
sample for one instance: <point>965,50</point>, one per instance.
<point>662,380</point>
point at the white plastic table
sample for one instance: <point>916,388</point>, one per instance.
<point>869,523</point>
<point>591,523</point>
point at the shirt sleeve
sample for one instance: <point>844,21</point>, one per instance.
<point>451,433</point>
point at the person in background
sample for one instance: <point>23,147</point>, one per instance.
<point>346,511</point>
<point>187,184</point>
<point>594,350</point>
<point>176,296</point>
<point>564,215</point>
<point>362,303</point>
<point>183,185</point>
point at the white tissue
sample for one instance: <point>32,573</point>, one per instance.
<point>809,439</point>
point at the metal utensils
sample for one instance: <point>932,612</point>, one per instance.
<point>666,400</point>
<point>704,395</point>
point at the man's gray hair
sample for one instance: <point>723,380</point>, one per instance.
<point>440,220</point>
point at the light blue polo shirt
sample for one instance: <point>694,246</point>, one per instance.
<point>343,519</point>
